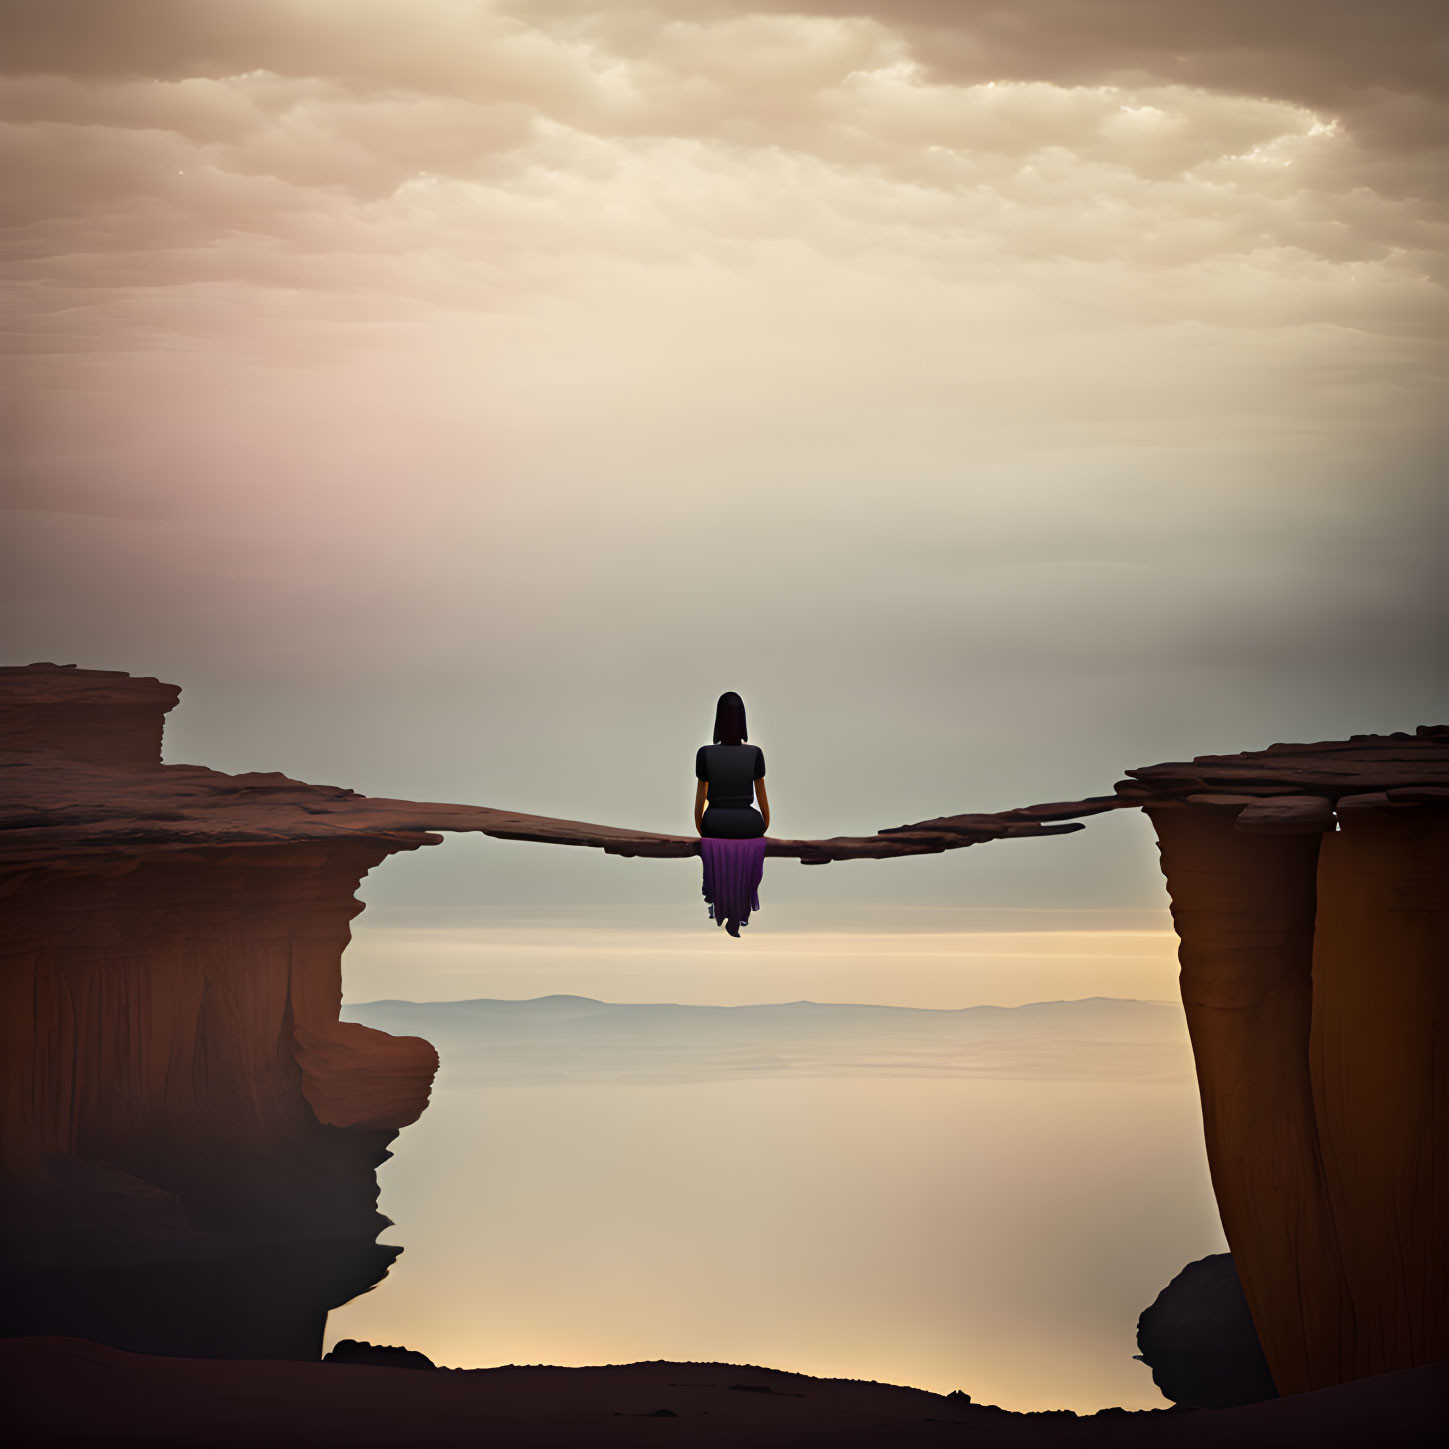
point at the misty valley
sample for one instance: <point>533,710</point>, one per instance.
<point>981,1199</point>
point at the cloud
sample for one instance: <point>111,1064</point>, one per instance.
<point>1041,108</point>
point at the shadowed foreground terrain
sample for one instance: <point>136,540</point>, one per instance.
<point>66,1391</point>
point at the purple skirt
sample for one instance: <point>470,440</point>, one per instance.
<point>732,872</point>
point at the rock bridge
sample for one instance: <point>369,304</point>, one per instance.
<point>190,1135</point>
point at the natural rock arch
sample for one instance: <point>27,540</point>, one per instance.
<point>190,1134</point>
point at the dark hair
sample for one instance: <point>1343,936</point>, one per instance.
<point>729,720</point>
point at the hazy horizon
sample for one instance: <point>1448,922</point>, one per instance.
<point>900,954</point>
<point>566,998</point>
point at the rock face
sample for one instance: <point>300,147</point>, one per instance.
<point>101,716</point>
<point>1198,1339</point>
<point>1310,890</point>
<point>185,1171</point>
<point>190,1135</point>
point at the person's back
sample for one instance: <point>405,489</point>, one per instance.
<point>729,773</point>
<point>730,776</point>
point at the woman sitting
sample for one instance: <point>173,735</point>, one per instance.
<point>730,776</point>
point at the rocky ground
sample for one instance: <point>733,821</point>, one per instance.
<point>61,1391</point>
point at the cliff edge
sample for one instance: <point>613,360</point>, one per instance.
<point>190,1134</point>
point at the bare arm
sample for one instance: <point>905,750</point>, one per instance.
<point>701,790</point>
<point>763,801</point>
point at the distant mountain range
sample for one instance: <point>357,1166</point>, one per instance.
<point>561,1039</point>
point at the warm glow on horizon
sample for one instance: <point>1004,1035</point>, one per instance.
<point>644,962</point>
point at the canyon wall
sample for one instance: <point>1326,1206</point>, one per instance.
<point>190,1135</point>
<point>1310,890</point>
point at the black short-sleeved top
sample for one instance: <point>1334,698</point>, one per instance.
<point>731,771</point>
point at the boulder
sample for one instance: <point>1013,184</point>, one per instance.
<point>1198,1339</point>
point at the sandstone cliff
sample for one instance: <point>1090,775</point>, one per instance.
<point>189,1134</point>
<point>1310,887</point>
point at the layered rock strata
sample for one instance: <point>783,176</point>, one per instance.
<point>188,1134</point>
<point>98,715</point>
<point>185,1167</point>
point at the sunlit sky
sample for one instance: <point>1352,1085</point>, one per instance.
<point>456,397</point>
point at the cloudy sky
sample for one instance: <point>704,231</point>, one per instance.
<point>455,397</point>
